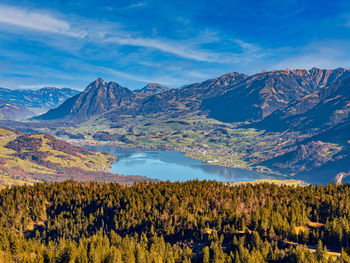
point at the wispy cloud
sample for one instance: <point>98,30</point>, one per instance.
<point>106,32</point>
<point>81,48</point>
<point>165,46</point>
<point>136,5</point>
<point>43,21</point>
<point>36,20</point>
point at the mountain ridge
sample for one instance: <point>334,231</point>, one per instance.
<point>39,100</point>
<point>233,97</point>
<point>152,88</point>
<point>263,93</point>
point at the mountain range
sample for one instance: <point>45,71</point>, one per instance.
<point>20,104</point>
<point>260,95</point>
<point>233,97</point>
<point>12,110</point>
<point>307,109</point>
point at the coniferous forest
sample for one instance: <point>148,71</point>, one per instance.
<point>194,221</point>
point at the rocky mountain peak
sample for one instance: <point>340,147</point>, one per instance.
<point>152,88</point>
<point>98,97</point>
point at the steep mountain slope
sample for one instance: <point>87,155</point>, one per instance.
<point>152,88</point>
<point>41,157</point>
<point>39,100</point>
<point>261,94</point>
<point>318,159</point>
<point>233,97</point>
<point>97,98</point>
<point>14,111</point>
<point>321,121</point>
<point>187,99</point>
<point>316,111</point>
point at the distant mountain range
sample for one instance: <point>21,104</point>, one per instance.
<point>233,97</point>
<point>12,110</point>
<point>19,104</point>
<point>308,108</point>
<point>260,95</point>
<point>152,88</point>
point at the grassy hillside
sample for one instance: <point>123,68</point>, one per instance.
<point>28,158</point>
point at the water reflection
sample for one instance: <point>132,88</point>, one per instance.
<point>174,166</point>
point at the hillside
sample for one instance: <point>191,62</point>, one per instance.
<point>38,101</point>
<point>14,111</point>
<point>322,121</point>
<point>317,111</point>
<point>29,158</point>
<point>174,222</point>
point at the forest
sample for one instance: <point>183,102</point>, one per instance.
<point>194,221</point>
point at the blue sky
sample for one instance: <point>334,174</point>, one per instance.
<point>71,43</point>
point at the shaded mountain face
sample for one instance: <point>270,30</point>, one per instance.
<point>152,88</point>
<point>189,98</point>
<point>39,100</point>
<point>15,111</point>
<point>260,95</point>
<point>317,111</point>
<point>322,122</point>
<point>233,97</point>
<point>318,158</point>
<point>97,98</point>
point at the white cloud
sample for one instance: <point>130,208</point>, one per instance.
<point>172,48</point>
<point>108,32</point>
<point>136,5</point>
<point>36,20</point>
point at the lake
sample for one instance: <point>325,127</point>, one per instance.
<point>174,166</point>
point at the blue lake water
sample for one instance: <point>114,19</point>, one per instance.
<point>173,166</point>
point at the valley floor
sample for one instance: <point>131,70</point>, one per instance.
<point>205,139</point>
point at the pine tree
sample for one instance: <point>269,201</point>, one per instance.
<point>319,253</point>
<point>205,254</point>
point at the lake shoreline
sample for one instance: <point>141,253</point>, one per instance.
<point>181,162</point>
<point>187,154</point>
